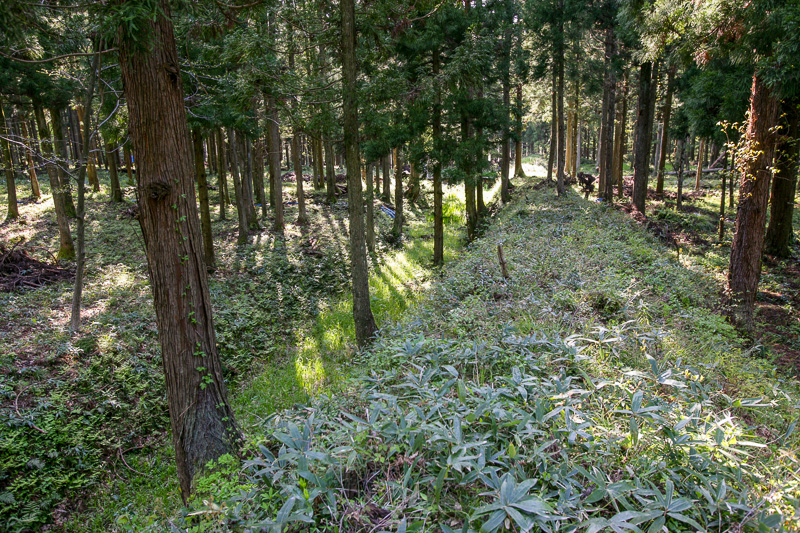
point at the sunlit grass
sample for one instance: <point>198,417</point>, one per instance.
<point>319,360</point>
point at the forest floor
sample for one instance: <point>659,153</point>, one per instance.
<point>598,384</point>
<point>595,300</point>
<point>85,431</point>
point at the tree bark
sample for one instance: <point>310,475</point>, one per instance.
<point>241,210</point>
<point>370,230</point>
<point>610,89</point>
<point>203,426</point>
<point>202,193</point>
<point>397,227</point>
<point>699,171</point>
<point>80,224</point>
<point>35,190</point>
<point>126,152</point>
<point>519,172</point>
<point>641,171</point>
<point>330,173</point>
<point>438,221</point>
<point>619,137</point>
<point>60,144</point>
<point>113,173</point>
<point>386,179</point>
<point>505,163</point>
<point>66,246</point>
<point>257,151</point>
<point>666,114</point>
<point>362,313</point>
<point>784,185</point>
<point>221,174</point>
<point>302,219</point>
<point>551,156</point>
<point>748,239</point>
<point>11,184</point>
<point>560,183</point>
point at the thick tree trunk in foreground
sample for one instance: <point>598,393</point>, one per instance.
<point>362,313</point>
<point>748,239</point>
<point>641,170</point>
<point>203,426</point>
<point>202,193</point>
<point>66,246</point>
<point>11,184</point>
<point>784,185</point>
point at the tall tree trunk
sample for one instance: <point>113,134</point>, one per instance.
<point>11,184</point>
<point>316,163</point>
<point>560,183</point>
<point>257,152</point>
<point>362,313</point>
<point>784,185</point>
<point>113,173</point>
<point>610,88</point>
<point>518,170</point>
<point>748,240</point>
<point>203,426</point>
<point>414,187</point>
<point>641,170</point>
<point>222,174</point>
<point>241,210</point>
<point>35,191</point>
<point>211,147</point>
<point>397,227</point>
<point>60,144</point>
<point>619,136</point>
<point>330,173</point>
<point>386,179</point>
<point>551,156</point>
<point>682,154</point>
<point>80,224</point>
<point>370,230</point>
<point>699,172</point>
<point>202,193</point>
<point>666,114</point>
<point>298,174</point>
<point>722,200</point>
<point>126,152</point>
<point>505,161</point>
<point>66,246</point>
<point>438,221</point>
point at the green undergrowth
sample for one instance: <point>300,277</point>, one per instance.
<point>84,441</point>
<point>595,389</point>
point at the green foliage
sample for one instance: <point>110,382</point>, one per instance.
<point>464,422</point>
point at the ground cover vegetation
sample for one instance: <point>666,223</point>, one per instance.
<point>399,266</point>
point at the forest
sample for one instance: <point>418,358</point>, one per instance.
<point>399,266</point>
